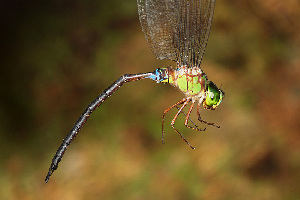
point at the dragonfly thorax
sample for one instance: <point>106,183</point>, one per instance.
<point>193,82</point>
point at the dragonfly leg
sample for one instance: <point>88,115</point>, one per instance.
<point>202,121</point>
<point>164,116</point>
<point>194,124</point>
<point>188,118</point>
<point>175,117</point>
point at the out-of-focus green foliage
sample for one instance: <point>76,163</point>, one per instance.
<point>59,55</point>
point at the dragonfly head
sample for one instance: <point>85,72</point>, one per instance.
<point>214,96</point>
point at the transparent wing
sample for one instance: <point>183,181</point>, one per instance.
<point>177,29</point>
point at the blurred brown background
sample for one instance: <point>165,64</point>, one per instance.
<point>57,56</point>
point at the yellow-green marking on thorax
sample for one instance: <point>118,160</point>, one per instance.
<point>191,81</point>
<point>190,84</point>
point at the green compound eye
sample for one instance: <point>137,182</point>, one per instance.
<point>214,96</point>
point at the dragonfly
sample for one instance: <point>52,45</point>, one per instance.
<point>177,30</point>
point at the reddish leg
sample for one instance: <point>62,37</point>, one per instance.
<point>202,121</point>
<point>196,127</point>
<point>188,118</point>
<point>166,111</point>
<point>176,116</point>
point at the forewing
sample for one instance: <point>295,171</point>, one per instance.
<point>177,29</point>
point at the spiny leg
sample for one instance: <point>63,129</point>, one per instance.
<point>164,115</point>
<point>202,121</point>
<point>174,119</point>
<point>188,118</point>
<point>194,124</point>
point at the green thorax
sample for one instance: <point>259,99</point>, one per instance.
<point>191,81</point>
<point>195,85</point>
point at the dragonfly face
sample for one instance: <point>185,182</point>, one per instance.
<point>214,96</point>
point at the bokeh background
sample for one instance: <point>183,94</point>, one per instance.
<point>57,56</point>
